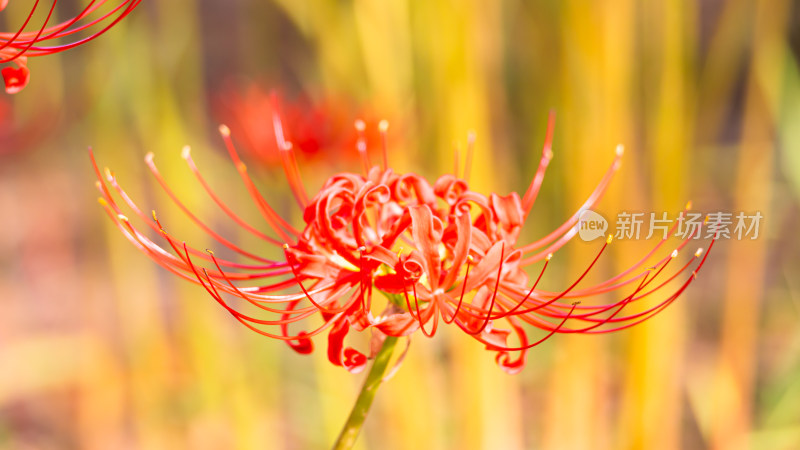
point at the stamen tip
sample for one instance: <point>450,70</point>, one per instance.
<point>689,205</point>
<point>102,201</point>
<point>609,239</point>
<point>383,125</point>
<point>186,152</point>
<point>620,150</point>
<point>148,158</point>
<point>549,257</point>
<point>698,252</point>
<point>122,217</point>
<point>471,136</point>
<point>224,130</point>
<point>360,125</point>
<point>286,246</point>
<point>674,253</point>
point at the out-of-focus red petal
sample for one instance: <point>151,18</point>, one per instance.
<point>16,78</point>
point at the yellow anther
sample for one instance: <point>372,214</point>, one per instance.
<point>224,130</point>
<point>609,238</point>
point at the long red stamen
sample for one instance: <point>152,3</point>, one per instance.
<point>553,331</point>
<point>524,299</point>
<point>588,204</point>
<point>300,283</point>
<point>154,170</point>
<point>186,153</point>
<point>494,294</point>
<point>383,127</point>
<point>269,214</point>
<point>547,154</point>
<point>287,157</point>
<point>463,291</point>
<point>361,145</point>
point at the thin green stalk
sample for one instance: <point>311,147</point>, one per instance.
<point>347,438</point>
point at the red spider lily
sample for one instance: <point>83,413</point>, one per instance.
<point>318,130</point>
<point>16,47</point>
<point>439,252</point>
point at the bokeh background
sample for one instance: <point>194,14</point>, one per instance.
<point>100,348</point>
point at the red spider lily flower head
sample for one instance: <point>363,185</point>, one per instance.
<point>319,130</point>
<point>16,46</point>
<point>439,252</point>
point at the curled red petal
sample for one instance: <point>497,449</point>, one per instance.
<point>302,345</point>
<point>503,358</point>
<point>348,357</point>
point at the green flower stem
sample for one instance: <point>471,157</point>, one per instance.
<point>359,413</point>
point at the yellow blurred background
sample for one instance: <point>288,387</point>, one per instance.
<point>100,348</point>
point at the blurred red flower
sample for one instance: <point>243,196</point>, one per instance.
<point>436,252</point>
<point>318,130</point>
<point>17,46</point>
